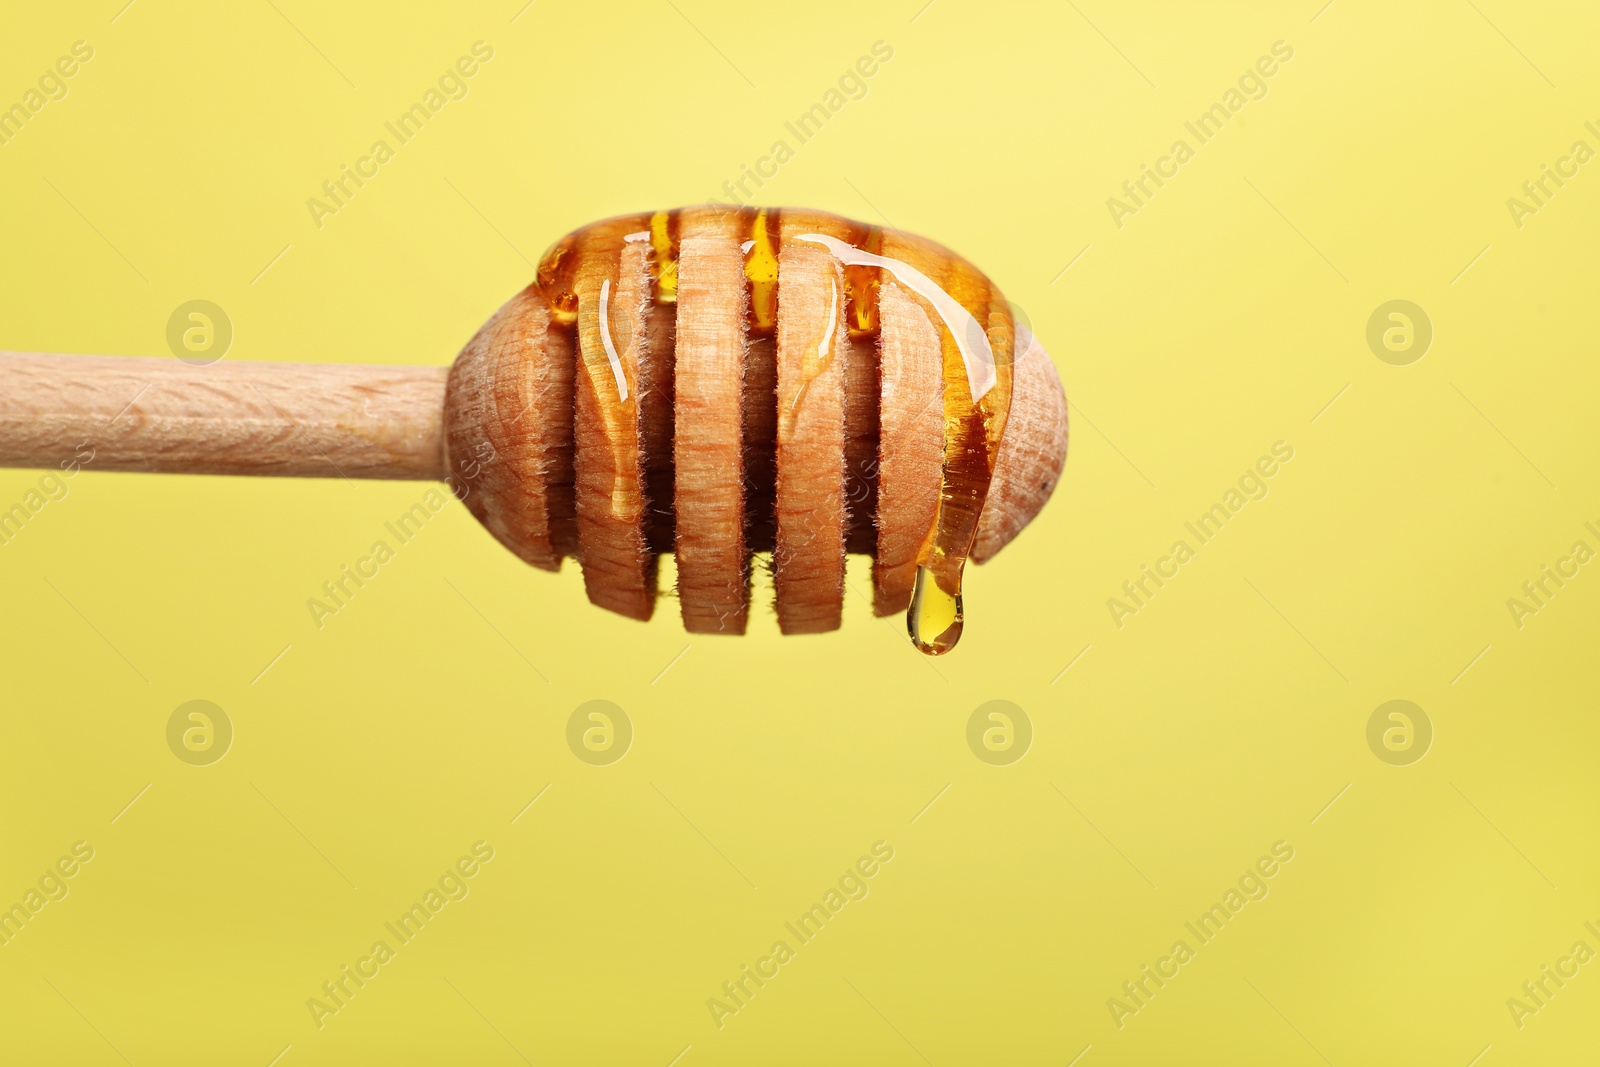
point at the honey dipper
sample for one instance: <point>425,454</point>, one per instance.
<point>709,382</point>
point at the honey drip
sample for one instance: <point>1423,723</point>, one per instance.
<point>816,359</point>
<point>977,399</point>
<point>975,330</point>
<point>934,619</point>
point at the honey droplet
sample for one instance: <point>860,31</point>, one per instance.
<point>558,268</point>
<point>934,618</point>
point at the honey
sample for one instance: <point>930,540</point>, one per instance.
<point>761,273</point>
<point>558,269</point>
<point>816,359</point>
<point>934,619</point>
<point>861,285</point>
<point>976,335</point>
<point>664,263</point>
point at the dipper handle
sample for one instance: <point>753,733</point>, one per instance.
<point>165,415</point>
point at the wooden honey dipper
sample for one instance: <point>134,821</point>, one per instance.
<point>709,382</point>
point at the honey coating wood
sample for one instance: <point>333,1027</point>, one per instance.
<point>911,425</point>
<point>613,292</point>
<point>712,382</point>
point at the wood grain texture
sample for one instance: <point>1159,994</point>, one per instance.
<point>618,570</point>
<point>910,446</point>
<point>713,562</point>
<point>758,420</point>
<point>1032,451</point>
<point>164,415</point>
<point>861,444</point>
<point>508,431</point>
<point>809,558</point>
<point>655,423</point>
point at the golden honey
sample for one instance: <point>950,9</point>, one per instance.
<point>976,339</point>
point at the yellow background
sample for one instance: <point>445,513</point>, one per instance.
<point>1224,316</point>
